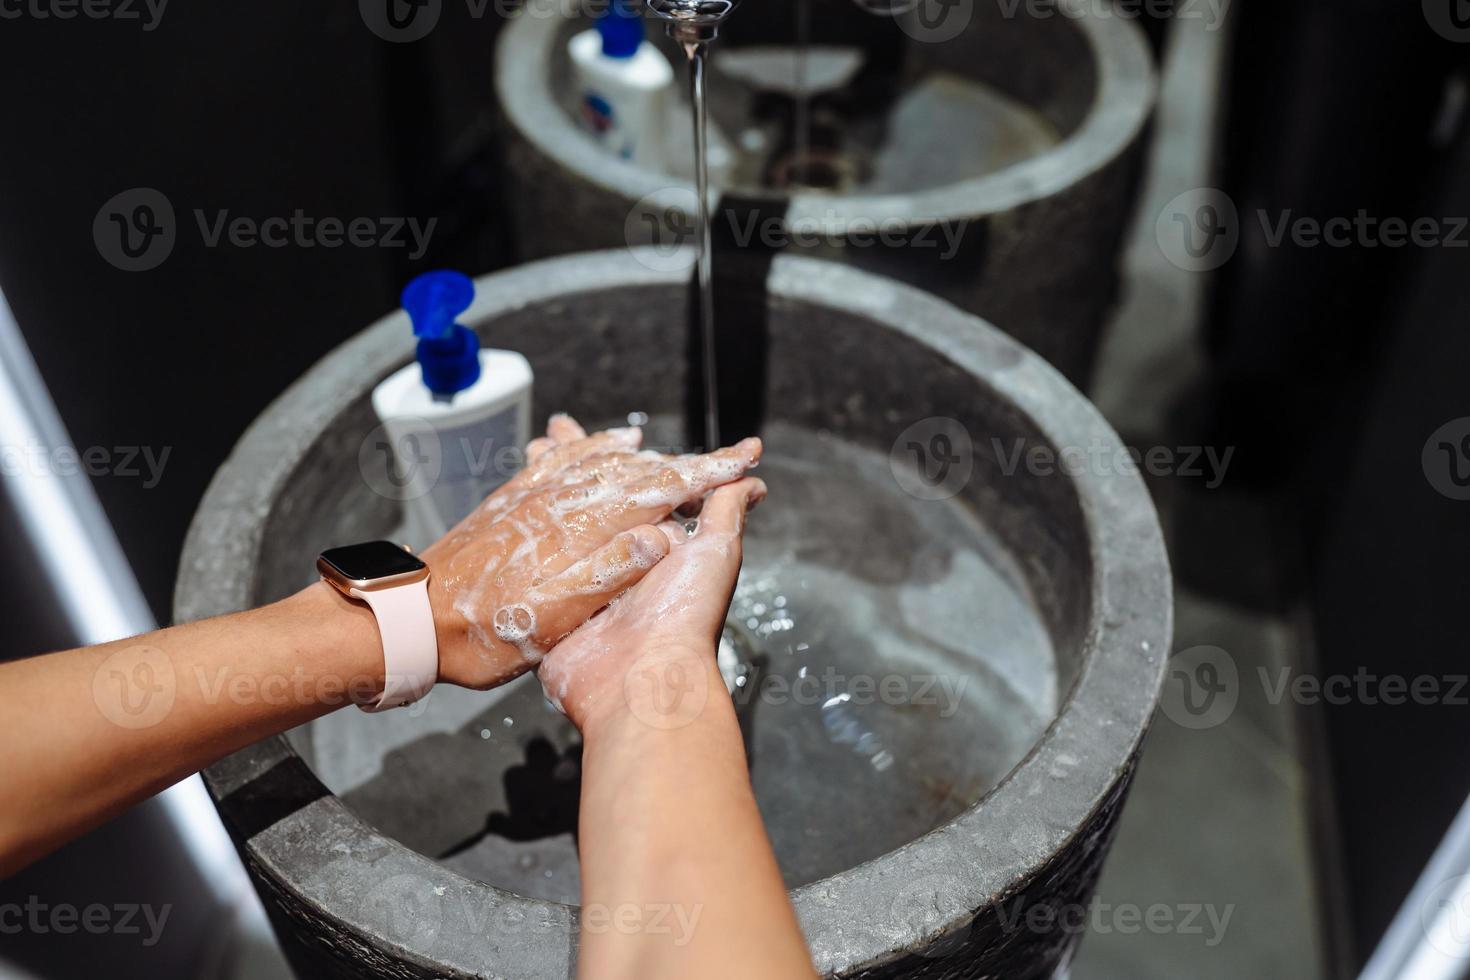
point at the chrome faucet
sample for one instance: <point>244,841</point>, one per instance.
<point>692,21</point>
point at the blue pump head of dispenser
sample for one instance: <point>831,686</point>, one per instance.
<point>621,29</point>
<point>448,352</point>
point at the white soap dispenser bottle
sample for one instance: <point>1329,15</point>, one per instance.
<point>458,419</point>
<point>623,83</point>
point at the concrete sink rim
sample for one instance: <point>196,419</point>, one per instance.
<point>1123,103</point>
<point>861,917</point>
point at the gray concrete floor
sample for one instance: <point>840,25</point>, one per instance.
<point>1218,817</point>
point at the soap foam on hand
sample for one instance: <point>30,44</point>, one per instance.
<point>669,590</point>
<point>567,535</point>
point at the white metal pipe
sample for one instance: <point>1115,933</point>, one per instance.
<point>95,587</point>
<point>1429,938</point>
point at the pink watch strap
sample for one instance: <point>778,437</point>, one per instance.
<point>410,647</point>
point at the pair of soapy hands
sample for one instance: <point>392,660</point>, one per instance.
<point>525,581</point>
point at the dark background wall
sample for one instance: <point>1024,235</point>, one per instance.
<point>1332,368</point>
<point>262,110</point>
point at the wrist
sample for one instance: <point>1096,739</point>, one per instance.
<point>339,638</point>
<point>663,689</point>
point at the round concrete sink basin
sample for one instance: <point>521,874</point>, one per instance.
<point>943,657</point>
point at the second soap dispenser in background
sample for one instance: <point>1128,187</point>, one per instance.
<point>623,82</point>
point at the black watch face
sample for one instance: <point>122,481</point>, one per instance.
<point>371,559</point>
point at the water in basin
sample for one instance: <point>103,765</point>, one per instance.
<point>941,129</point>
<point>893,669</point>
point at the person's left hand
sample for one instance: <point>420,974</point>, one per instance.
<point>556,543</point>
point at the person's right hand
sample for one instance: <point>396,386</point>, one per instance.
<point>556,543</point>
<point>650,656</point>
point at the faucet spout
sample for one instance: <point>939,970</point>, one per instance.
<point>692,21</point>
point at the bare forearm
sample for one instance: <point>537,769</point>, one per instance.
<point>90,732</point>
<point>678,877</point>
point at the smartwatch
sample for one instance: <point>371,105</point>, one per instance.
<point>395,586</point>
